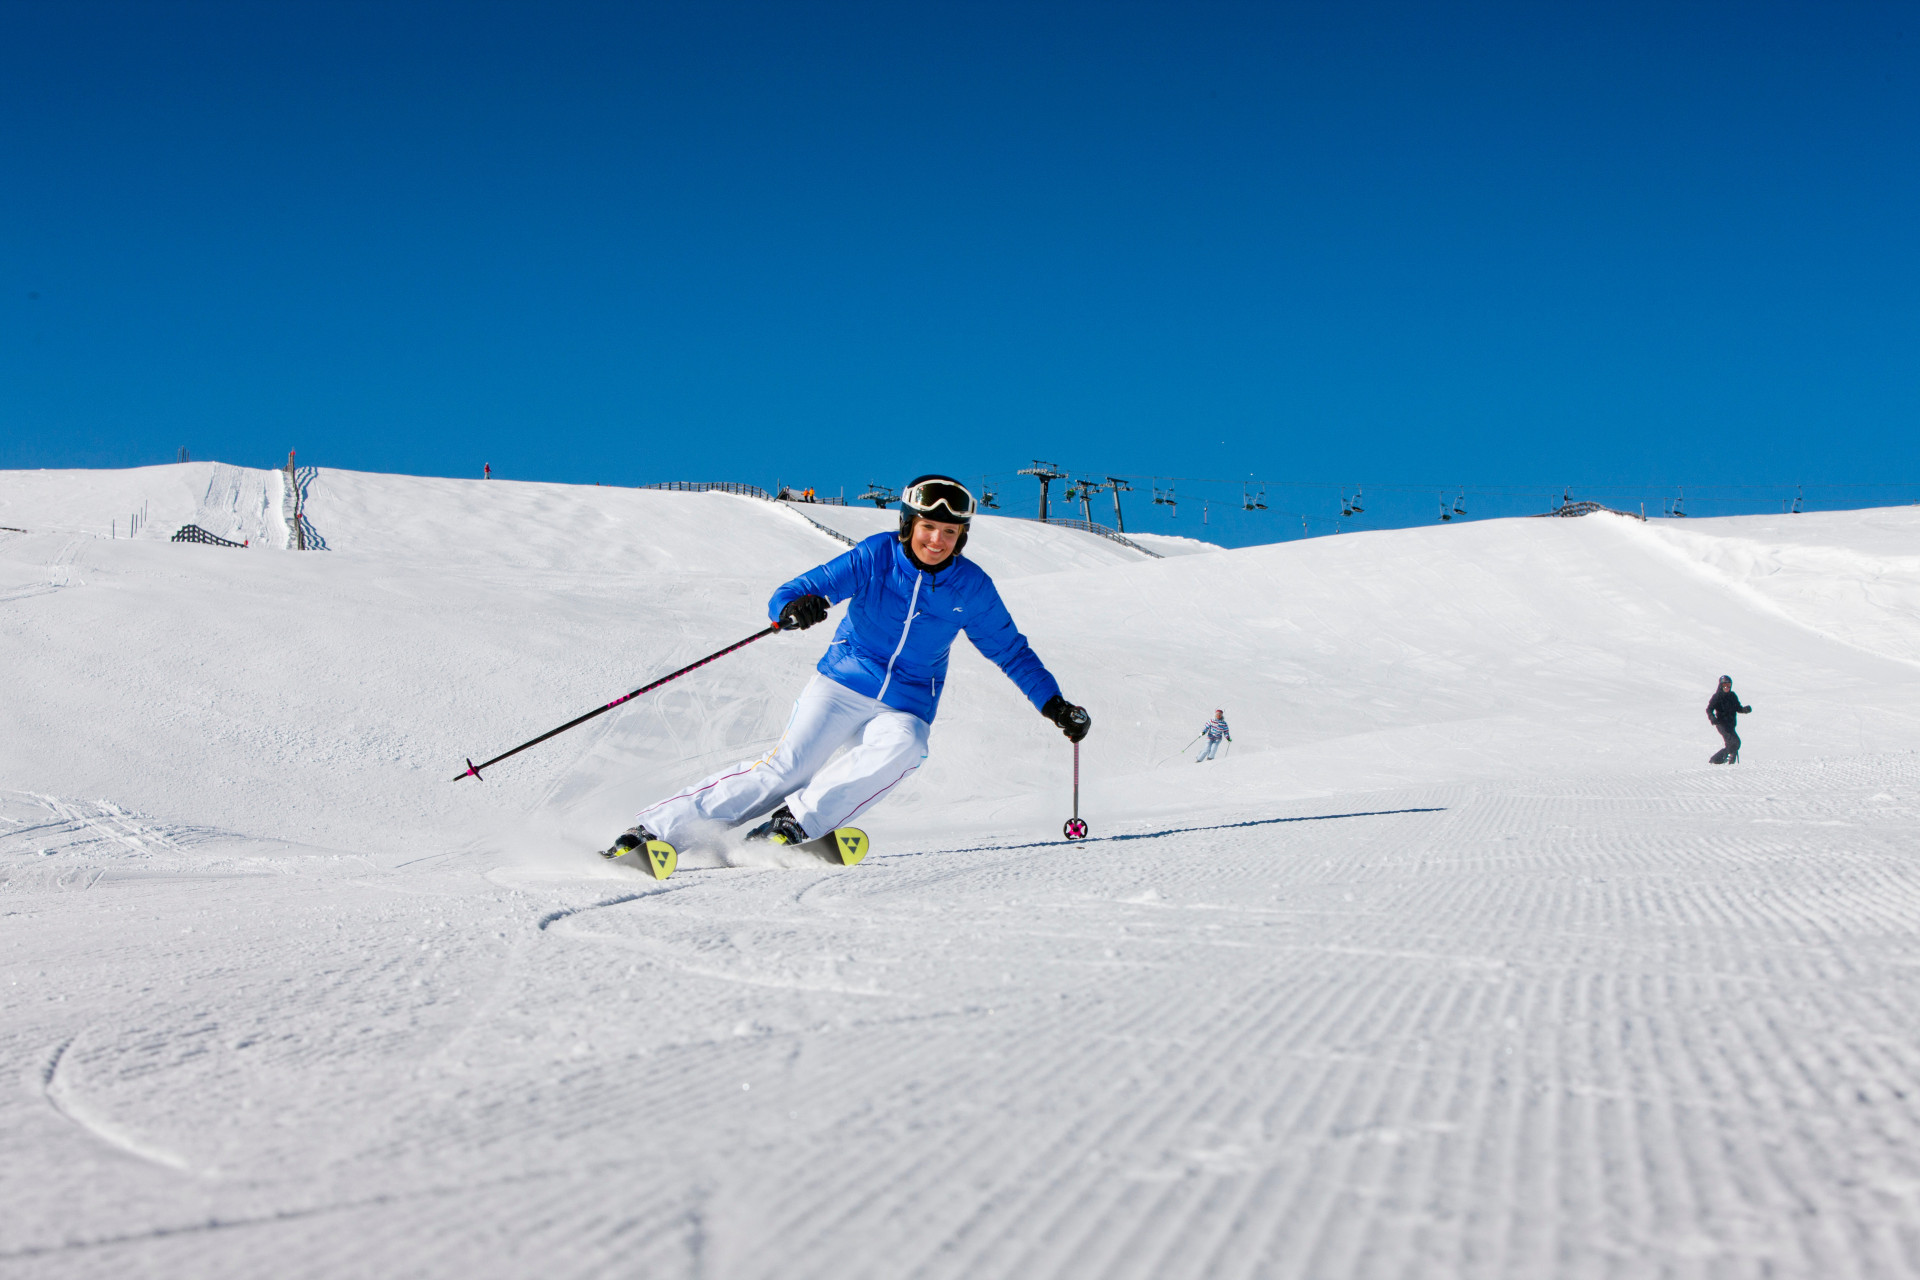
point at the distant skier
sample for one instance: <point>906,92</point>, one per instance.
<point>486,471</point>
<point>1723,709</point>
<point>878,684</point>
<point>1215,731</point>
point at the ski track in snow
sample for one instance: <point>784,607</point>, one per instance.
<point>1463,964</point>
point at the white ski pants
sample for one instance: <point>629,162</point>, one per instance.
<point>884,746</point>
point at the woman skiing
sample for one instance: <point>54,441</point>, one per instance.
<point>877,686</point>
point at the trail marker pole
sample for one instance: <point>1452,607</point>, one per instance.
<point>473,770</point>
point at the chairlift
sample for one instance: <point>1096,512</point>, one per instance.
<point>1799,500</point>
<point>987,497</point>
<point>1446,513</point>
<point>1353,507</point>
<point>878,494</point>
<point>1677,513</point>
<point>1460,503</point>
<point>1166,499</point>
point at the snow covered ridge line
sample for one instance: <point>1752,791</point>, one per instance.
<point>1089,526</point>
<point>745,491</point>
<point>709,486</point>
<point>831,533</point>
<point>1584,509</point>
<point>755,491</point>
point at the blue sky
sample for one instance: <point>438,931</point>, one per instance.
<point>1505,248</point>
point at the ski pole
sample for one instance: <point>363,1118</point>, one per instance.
<point>1075,829</point>
<point>1182,751</point>
<point>473,770</point>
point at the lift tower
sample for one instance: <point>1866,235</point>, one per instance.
<point>1119,487</point>
<point>1046,473</point>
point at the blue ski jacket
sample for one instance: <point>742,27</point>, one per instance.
<point>893,643</point>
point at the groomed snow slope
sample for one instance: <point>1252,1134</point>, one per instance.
<point>1463,962</point>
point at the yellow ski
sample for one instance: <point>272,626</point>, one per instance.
<point>657,858</point>
<point>848,844</point>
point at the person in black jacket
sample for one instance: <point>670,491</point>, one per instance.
<point>1723,709</point>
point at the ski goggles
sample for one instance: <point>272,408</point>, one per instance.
<point>931,496</point>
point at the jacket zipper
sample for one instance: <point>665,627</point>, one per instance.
<point>912,600</point>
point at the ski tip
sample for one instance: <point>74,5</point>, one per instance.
<point>657,858</point>
<point>662,858</point>
<point>851,844</point>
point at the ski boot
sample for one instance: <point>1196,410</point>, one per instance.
<point>639,846</point>
<point>780,828</point>
<point>844,845</point>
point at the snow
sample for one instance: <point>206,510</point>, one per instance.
<point>1173,544</point>
<point>1462,962</point>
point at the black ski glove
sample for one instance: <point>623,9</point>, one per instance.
<point>803,613</point>
<point>1073,721</point>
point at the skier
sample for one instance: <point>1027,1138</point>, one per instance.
<point>486,472</point>
<point>1723,709</point>
<point>1216,730</point>
<point>877,686</point>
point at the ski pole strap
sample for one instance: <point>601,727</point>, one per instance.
<point>473,770</point>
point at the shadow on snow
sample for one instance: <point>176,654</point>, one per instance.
<point>1172,831</point>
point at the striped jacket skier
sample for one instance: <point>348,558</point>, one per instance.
<point>1215,732</point>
